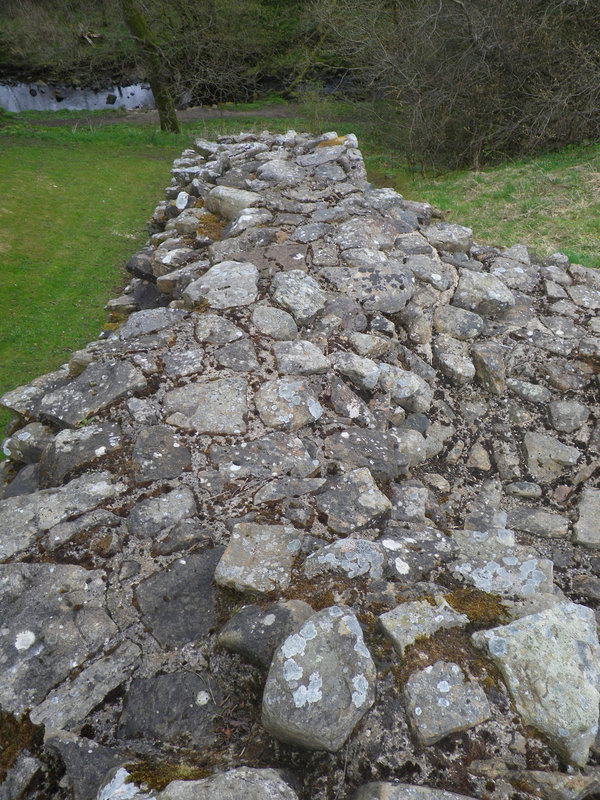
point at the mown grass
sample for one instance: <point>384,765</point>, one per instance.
<point>77,197</point>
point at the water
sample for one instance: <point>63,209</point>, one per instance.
<point>42,97</point>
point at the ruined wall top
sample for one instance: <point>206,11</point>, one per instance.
<point>316,517</point>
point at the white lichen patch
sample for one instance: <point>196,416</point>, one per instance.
<point>306,695</point>
<point>24,640</point>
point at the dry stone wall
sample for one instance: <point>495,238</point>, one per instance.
<point>318,516</point>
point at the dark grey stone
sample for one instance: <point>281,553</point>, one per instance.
<point>255,633</point>
<point>380,452</point>
<point>158,453</point>
<point>178,708</point>
<point>178,603</point>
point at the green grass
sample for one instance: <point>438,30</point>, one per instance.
<point>77,197</point>
<point>549,202</point>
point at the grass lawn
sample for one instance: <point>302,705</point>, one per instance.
<point>77,197</point>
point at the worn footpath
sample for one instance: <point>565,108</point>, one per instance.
<point>317,515</point>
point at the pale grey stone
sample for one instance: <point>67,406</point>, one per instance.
<point>524,489</point>
<point>452,358</point>
<point>441,701</point>
<point>567,416</point>
<point>378,790</point>
<point>365,232</point>
<point>69,704</point>
<point>25,400</point>
<point>321,155</point>
<point>585,296</point>
<point>287,403</point>
<point>449,237</point>
<point>214,329</point>
<point>587,527</point>
<point>225,285</point>
<point>179,365</point>
<point>380,452</point>
<point>21,776</point>
<point>24,519</point>
<point>99,385</point>
<point>440,275</point>
<point>228,202</point>
<point>539,522</point>
<point>409,503</point>
<point>368,345</point>
<point>149,321</point>
<point>321,682</point>
<point>286,488</point>
<point>54,619</point>
<point>384,288</point>
<point>482,293</point>
<point>246,782</point>
<point>406,623</point>
<point>281,172</point>
<point>248,218</point>
<point>299,294</point>
<point>407,389</point>
<point>363,372</point>
<point>218,406</point>
<point>493,562</point>
<point>457,322</point>
<point>274,322</point>
<point>515,274</point>
<point>412,445</point>
<point>259,558</point>
<point>531,392</point>
<point>352,501</point>
<point>349,557</point>
<point>156,513</point>
<point>507,460</point>
<point>547,457</point>
<point>550,662</point>
<point>300,358</point>
<point>272,455</point>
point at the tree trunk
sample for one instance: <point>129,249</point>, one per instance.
<point>134,19</point>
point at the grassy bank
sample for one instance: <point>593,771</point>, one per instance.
<point>77,198</point>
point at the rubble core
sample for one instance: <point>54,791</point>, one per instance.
<point>316,516</point>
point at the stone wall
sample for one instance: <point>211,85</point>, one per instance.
<point>318,517</point>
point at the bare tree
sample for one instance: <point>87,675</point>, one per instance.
<point>152,56</point>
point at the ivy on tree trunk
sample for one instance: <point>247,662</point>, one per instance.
<point>134,19</point>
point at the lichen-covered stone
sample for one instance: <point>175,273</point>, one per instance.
<point>287,403</point>
<point>406,623</point>
<point>441,701</point>
<point>321,682</point>
<point>98,386</point>
<point>550,662</point>
<point>352,501</point>
<point>218,406</point>
<point>259,558</point>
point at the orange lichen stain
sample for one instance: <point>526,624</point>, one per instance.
<point>332,142</point>
<point>211,226</point>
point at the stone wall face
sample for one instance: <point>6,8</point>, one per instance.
<point>318,518</point>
